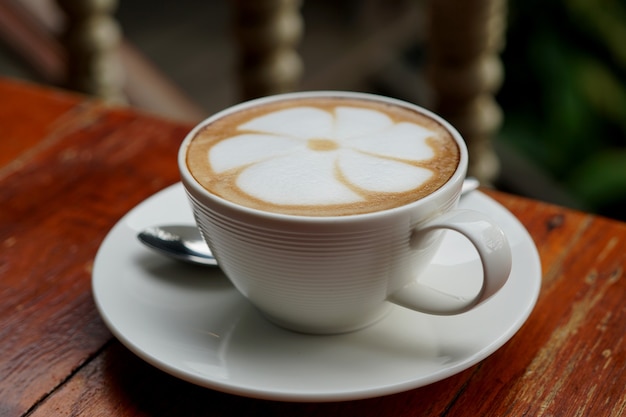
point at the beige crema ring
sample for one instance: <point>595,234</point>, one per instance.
<point>323,156</point>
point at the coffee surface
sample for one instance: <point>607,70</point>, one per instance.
<point>323,156</point>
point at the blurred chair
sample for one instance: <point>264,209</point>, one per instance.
<point>77,44</point>
<point>463,40</point>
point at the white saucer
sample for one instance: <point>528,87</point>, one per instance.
<point>190,322</point>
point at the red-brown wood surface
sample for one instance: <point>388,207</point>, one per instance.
<point>71,167</point>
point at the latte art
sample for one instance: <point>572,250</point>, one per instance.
<point>323,156</point>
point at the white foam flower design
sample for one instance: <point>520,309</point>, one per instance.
<point>311,156</point>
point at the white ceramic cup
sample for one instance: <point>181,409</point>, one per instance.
<point>337,274</point>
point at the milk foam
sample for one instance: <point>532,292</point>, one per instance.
<point>321,156</point>
<point>282,169</point>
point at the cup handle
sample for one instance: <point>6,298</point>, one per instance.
<point>494,252</point>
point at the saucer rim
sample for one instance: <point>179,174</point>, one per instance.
<point>232,387</point>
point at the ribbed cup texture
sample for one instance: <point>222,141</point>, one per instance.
<point>309,278</point>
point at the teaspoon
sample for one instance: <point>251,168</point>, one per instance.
<point>184,242</point>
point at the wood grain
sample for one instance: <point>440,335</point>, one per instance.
<point>71,167</point>
<point>82,167</point>
<point>26,115</point>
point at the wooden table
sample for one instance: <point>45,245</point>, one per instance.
<point>71,167</point>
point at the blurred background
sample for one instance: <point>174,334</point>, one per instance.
<point>563,135</point>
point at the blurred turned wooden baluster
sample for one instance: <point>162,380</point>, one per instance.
<point>91,38</point>
<point>464,69</point>
<point>267,33</point>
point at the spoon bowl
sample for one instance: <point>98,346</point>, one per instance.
<point>181,242</point>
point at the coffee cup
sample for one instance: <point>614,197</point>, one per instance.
<point>322,208</point>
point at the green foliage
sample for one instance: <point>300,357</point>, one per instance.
<point>565,93</point>
<point>602,177</point>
